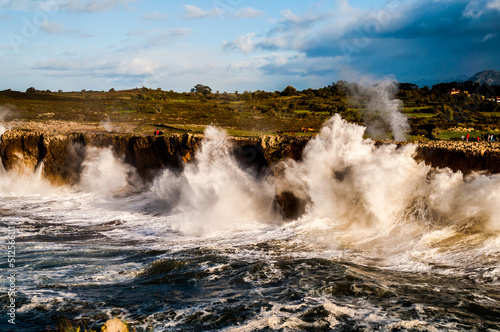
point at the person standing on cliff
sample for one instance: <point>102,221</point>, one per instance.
<point>467,138</point>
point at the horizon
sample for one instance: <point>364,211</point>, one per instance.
<point>234,45</point>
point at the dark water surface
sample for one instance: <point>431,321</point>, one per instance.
<point>85,275</point>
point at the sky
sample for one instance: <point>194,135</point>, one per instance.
<point>242,45</point>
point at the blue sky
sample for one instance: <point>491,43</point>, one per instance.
<point>241,44</point>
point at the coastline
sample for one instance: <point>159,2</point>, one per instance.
<point>60,146</point>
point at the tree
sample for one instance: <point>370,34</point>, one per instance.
<point>203,89</point>
<point>289,91</point>
<point>31,90</point>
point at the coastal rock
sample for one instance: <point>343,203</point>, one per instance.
<point>461,156</point>
<point>62,155</point>
<point>114,325</point>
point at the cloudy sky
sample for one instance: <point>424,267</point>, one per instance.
<point>241,44</point>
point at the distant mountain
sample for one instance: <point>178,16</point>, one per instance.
<point>491,77</point>
<point>430,82</point>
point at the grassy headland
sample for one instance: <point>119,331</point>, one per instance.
<point>432,113</point>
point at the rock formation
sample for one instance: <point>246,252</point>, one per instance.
<point>461,156</point>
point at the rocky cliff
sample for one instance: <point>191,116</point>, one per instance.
<point>62,155</point>
<point>461,156</point>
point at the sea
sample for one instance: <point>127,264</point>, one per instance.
<point>385,243</point>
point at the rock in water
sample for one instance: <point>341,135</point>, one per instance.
<point>114,325</point>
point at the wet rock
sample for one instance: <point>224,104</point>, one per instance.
<point>114,325</point>
<point>290,205</point>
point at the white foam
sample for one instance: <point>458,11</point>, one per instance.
<point>214,193</point>
<point>103,173</point>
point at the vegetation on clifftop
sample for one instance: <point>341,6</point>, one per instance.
<point>431,111</point>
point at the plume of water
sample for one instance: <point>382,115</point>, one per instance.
<point>382,109</point>
<point>25,182</point>
<point>104,173</point>
<point>3,112</point>
<point>214,192</point>
<point>382,101</point>
<point>380,198</point>
<point>350,181</point>
<point>107,125</point>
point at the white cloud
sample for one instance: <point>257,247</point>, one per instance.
<point>134,67</point>
<point>473,10</point>
<point>160,36</point>
<point>248,12</point>
<point>494,4</point>
<point>488,36</point>
<point>292,32</point>
<point>69,5</point>
<point>57,65</point>
<point>477,8</point>
<point>52,27</point>
<point>154,16</point>
<point>288,63</point>
<point>95,5</point>
<point>191,12</point>
<point>243,43</point>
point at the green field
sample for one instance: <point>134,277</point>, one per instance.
<point>291,112</point>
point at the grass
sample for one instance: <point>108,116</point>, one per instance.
<point>247,133</point>
<point>454,135</point>
<point>420,115</point>
<point>141,111</point>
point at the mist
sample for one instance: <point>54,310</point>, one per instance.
<point>382,110</point>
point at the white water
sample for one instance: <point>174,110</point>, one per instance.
<point>214,193</point>
<point>382,110</point>
<point>103,173</point>
<point>382,203</point>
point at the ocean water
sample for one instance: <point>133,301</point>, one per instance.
<point>385,243</point>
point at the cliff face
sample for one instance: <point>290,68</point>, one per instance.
<point>461,156</point>
<point>63,155</point>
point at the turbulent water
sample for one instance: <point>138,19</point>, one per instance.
<point>385,243</point>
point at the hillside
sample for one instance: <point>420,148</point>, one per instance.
<point>491,77</point>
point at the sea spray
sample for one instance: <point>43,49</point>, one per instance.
<point>350,181</point>
<point>380,201</point>
<point>214,192</point>
<point>381,100</point>
<point>22,180</point>
<point>108,125</point>
<point>3,112</point>
<point>381,108</point>
<point>103,173</point>
<point>25,181</point>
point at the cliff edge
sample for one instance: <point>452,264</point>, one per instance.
<point>62,155</point>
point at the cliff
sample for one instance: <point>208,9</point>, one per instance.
<point>63,155</point>
<point>461,156</point>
